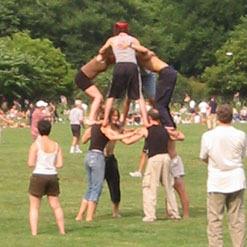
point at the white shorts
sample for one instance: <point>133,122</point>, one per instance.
<point>177,167</point>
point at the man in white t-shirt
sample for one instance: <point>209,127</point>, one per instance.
<point>223,148</point>
<point>203,106</point>
<point>76,120</point>
<point>192,106</point>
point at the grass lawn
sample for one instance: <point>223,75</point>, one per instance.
<point>129,230</point>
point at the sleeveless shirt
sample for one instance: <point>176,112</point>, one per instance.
<point>157,140</point>
<point>126,55</point>
<point>98,139</point>
<point>46,162</point>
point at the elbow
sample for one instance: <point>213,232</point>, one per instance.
<point>59,165</point>
<point>30,165</point>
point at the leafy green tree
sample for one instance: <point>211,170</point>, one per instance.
<point>9,21</point>
<point>191,31</point>
<point>33,68</point>
<point>229,74</point>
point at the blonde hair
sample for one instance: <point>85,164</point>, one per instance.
<point>78,102</point>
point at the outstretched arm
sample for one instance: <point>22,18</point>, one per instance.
<point>113,135</point>
<point>139,133</point>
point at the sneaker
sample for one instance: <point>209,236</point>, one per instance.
<point>136,174</point>
<point>78,151</point>
<point>72,150</point>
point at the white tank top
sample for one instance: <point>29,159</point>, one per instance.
<point>46,162</point>
<point>127,55</point>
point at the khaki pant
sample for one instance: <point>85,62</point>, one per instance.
<point>212,121</point>
<point>234,203</point>
<point>158,170</point>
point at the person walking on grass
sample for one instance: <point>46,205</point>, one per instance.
<point>223,149</point>
<point>45,156</point>
<point>76,120</point>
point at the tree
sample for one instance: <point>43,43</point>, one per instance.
<point>229,74</point>
<point>33,68</point>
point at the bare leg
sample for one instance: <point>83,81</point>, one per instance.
<point>83,208</point>
<point>142,104</point>
<point>172,149</point>
<point>74,141</point>
<point>58,212</point>
<point>142,162</point>
<point>108,106</point>
<point>97,98</point>
<point>184,198</point>
<point>126,109</point>
<point>34,213</point>
<point>90,211</point>
<point>115,212</point>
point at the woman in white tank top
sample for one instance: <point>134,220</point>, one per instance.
<point>45,156</point>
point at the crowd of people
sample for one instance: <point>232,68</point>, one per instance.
<point>134,65</point>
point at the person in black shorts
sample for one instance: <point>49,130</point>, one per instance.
<point>84,77</point>
<point>126,75</point>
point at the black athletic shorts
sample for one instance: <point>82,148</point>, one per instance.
<point>76,130</point>
<point>82,81</point>
<point>126,77</point>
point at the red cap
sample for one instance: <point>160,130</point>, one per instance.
<point>121,27</point>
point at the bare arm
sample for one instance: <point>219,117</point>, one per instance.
<point>32,156</point>
<point>59,161</point>
<point>86,136</point>
<point>175,134</point>
<point>139,48</point>
<point>5,120</point>
<point>114,135</point>
<point>105,47</point>
<point>142,132</point>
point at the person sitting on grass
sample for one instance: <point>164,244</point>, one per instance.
<point>45,156</point>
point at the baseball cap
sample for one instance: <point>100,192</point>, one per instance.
<point>41,103</point>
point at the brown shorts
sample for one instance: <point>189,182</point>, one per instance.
<point>44,185</point>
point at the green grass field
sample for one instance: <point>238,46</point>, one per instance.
<point>129,230</point>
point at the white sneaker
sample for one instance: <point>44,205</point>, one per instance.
<point>78,151</point>
<point>136,174</point>
<point>72,150</point>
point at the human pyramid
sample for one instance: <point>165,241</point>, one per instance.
<point>104,130</point>
<point>129,55</point>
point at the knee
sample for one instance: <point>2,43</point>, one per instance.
<point>98,98</point>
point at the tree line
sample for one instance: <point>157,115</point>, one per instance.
<point>44,42</point>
